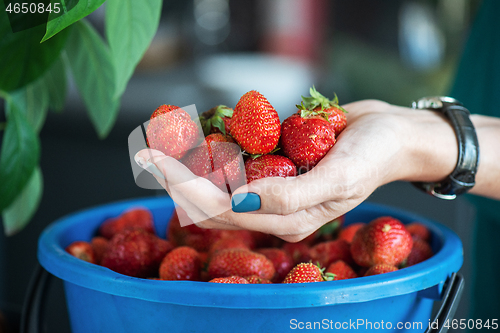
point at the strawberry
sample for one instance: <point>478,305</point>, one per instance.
<point>328,231</point>
<point>265,240</point>
<point>269,166</point>
<point>254,279</point>
<point>240,262</point>
<point>131,252</point>
<point>246,236</point>
<point>82,250</point>
<point>306,138</point>
<point>299,252</point>
<point>330,251</point>
<point>384,240</point>
<point>420,251</point>
<point>227,243</point>
<point>380,269</point>
<point>190,235</point>
<point>172,131</point>
<point>418,230</point>
<point>182,263</point>
<point>99,245</point>
<point>134,218</point>
<point>341,270</point>
<point>282,262</point>
<point>255,124</point>
<point>160,249</point>
<point>230,279</point>
<point>216,120</point>
<point>306,272</point>
<point>349,231</point>
<point>217,159</point>
<point>322,105</point>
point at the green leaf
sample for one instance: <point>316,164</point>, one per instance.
<point>22,58</point>
<point>78,11</point>
<point>55,80</point>
<point>224,111</point>
<point>130,28</point>
<point>217,122</point>
<point>94,75</point>
<point>18,157</point>
<point>33,101</point>
<point>19,213</point>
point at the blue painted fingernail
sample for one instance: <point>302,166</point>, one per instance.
<point>245,202</point>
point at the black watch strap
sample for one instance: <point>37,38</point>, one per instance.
<point>462,179</point>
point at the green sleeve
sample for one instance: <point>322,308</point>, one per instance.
<point>477,85</point>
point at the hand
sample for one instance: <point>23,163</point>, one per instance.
<point>382,143</point>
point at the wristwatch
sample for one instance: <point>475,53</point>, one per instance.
<point>462,179</point>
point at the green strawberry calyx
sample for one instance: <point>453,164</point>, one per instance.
<point>326,276</point>
<point>254,156</point>
<point>213,117</point>
<point>316,100</point>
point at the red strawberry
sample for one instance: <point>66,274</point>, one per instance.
<point>99,245</point>
<point>230,279</point>
<point>246,236</point>
<point>269,166</point>
<point>172,131</point>
<point>306,272</point>
<point>182,263</point>
<point>341,270</point>
<point>299,252</point>
<point>240,262</point>
<point>254,279</point>
<point>328,231</point>
<point>380,269</point>
<point>265,240</point>
<point>349,231</point>
<point>330,251</point>
<point>382,241</point>
<point>320,104</point>
<point>306,138</point>
<point>418,230</point>
<point>82,250</point>
<point>216,159</point>
<point>282,262</point>
<point>255,124</point>
<point>190,235</point>
<point>216,120</point>
<point>160,250</point>
<point>227,243</point>
<point>420,251</point>
<point>134,218</point>
<point>131,252</point>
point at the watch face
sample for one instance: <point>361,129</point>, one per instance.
<point>435,102</point>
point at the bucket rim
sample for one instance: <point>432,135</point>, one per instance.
<point>426,276</point>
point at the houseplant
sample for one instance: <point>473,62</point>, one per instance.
<point>35,63</point>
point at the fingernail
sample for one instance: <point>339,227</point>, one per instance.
<point>148,166</point>
<point>245,202</point>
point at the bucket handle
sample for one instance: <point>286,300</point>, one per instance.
<point>449,304</point>
<point>32,307</point>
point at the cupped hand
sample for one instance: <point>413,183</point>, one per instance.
<point>373,150</point>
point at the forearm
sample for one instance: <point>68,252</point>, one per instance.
<point>488,175</point>
<point>433,150</point>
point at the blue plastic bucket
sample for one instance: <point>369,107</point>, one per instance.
<point>100,300</point>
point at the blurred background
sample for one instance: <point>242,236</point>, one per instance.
<point>210,52</point>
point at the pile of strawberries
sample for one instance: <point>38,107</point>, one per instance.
<point>271,148</point>
<point>129,245</point>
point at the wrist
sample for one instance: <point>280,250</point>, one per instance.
<point>430,147</point>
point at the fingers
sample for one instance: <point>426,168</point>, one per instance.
<point>285,196</point>
<point>187,190</point>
